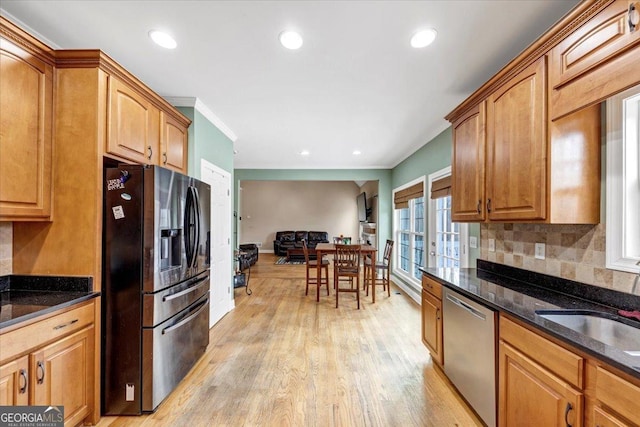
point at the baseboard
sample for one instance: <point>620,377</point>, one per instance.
<point>411,291</point>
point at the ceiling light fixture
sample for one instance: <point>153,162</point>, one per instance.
<point>305,153</point>
<point>290,40</point>
<point>423,38</point>
<point>163,39</point>
<point>356,152</point>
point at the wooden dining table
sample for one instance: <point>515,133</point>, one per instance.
<point>330,248</point>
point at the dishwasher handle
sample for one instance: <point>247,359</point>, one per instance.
<point>466,307</point>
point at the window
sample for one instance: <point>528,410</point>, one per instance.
<point>447,235</point>
<point>410,234</point>
<point>623,181</point>
<point>448,239</point>
<point>410,229</point>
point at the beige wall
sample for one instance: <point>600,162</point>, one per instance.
<point>575,252</point>
<point>270,206</point>
<point>6,248</point>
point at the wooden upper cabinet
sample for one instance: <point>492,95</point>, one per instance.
<point>173,144</point>
<point>516,147</point>
<point>468,173</point>
<point>26,85</point>
<point>599,59</point>
<point>134,125</point>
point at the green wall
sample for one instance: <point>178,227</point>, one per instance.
<point>430,158</point>
<point>206,142</point>
<point>383,176</point>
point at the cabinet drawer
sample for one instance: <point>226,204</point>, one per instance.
<point>431,286</point>
<point>21,340</point>
<point>562,362</point>
<point>619,394</point>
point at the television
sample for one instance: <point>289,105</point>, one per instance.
<point>362,207</point>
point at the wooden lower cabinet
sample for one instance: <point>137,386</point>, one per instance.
<point>60,375</point>
<point>602,418</point>
<point>14,382</point>
<point>58,372</point>
<point>432,326</point>
<point>432,319</point>
<point>530,395</point>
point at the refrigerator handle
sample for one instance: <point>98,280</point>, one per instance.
<point>188,210</point>
<point>197,212</point>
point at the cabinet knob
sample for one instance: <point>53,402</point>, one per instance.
<point>633,17</point>
<point>24,381</point>
<point>150,152</point>
<point>40,372</point>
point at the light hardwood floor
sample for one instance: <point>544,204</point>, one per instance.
<point>281,359</point>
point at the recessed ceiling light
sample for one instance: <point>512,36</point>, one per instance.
<point>423,38</point>
<point>305,153</point>
<point>356,152</point>
<point>290,40</point>
<point>163,39</point>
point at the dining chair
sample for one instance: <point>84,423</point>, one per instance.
<point>371,268</point>
<point>346,264</point>
<point>312,266</point>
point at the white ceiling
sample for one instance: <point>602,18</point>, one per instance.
<point>356,84</point>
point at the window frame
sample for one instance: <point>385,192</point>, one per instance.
<point>617,228</point>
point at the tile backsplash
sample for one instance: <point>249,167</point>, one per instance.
<point>575,252</point>
<point>6,248</point>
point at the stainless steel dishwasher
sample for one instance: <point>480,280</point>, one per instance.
<point>470,352</point>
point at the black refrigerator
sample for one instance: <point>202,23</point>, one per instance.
<point>155,299</point>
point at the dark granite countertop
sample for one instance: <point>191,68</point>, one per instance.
<point>26,297</point>
<point>520,293</point>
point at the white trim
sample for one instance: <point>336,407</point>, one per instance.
<point>413,293</point>
<point>616,176</point>
<point>190,101</point>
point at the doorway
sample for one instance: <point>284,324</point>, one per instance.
<point>221,277</point>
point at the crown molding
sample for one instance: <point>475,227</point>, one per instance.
<point>190,101</point>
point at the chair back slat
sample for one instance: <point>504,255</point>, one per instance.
<point>387,251</point>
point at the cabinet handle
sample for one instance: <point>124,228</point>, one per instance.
<point>633,17</point>
<point>479,205</point>
<point>64,325</point>
<point>23,377</point>
<point>40,372</point>
<point>150,152</point>
<point>437,313</point>
<point>489,205</point>
<point>566,413</point>
<point>164,158</point>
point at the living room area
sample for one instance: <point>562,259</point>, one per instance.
<point>276,215</point>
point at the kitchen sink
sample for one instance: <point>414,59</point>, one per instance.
<point>600,326</point>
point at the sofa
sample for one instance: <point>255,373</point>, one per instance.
<point>293,240</point>
<point>248,255</point>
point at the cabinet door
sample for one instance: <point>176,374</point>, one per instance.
<point>602,418</point>
<point>597,60</point>
<point>26,110</point>
<point>14,382</point>
<point>432,326</point>
<point>134,125</point>
<point>516,147</point>
<point>467,185</point>
<point>62,374</point>
<point>532,396</point>
<point>173,144</point>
